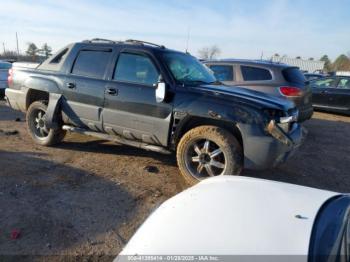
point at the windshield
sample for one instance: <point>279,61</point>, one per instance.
<point>186,69</point>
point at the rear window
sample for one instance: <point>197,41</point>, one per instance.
<point>251,73</point>
<point>91,63</point>
<point>294,75</point>
<point>222,72</point>
<point>5,65</point>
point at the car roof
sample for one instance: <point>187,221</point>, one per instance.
<point>248,207</point>
<point>127,43</point>
<point>266,63</point>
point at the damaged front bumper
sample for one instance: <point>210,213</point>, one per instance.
<point>266,149</point>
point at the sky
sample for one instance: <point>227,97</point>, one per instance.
<point>240,28</point>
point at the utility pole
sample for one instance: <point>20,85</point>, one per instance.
<point>3,45</point>
<point>17,45</point>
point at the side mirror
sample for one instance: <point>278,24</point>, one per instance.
<point>160,92</point>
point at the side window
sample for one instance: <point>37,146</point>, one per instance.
<point>324,83</point>
<point>91,63</point>
<point>344,83</point>
<point>58,58</point>
<point>223,72</point>
<point>250,73</point>
<point>136,68</point>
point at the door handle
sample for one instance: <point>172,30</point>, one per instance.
<point>71,85</point>
<point>112,91</point>
<point>325,92</point>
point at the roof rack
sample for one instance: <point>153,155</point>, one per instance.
<point>133,41</point>
<point>129,41</point>
<point>100,40</point>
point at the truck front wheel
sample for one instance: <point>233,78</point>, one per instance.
<point>36,123</point>
<point>208,151</point>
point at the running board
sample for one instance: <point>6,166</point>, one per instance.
<point>117,139</point>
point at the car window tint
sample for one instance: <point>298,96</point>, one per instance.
<point>91,63</point>
<point>223,72</point>
<point>250,73</point>
<point>324,83</point>
<point>344,83</point>
<point>136,68</point>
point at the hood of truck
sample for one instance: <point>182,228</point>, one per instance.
<point>249,96</point>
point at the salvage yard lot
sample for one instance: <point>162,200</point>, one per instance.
<point>87,196</point>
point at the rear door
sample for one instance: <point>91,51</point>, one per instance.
<point>84,87</point>
<point>321,89</point>
<point>339,97</point>
<point>130,108</point>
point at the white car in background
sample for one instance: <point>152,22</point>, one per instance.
<point>245,219</point>
<point>4,71</point>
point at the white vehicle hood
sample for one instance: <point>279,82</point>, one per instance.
<point>232,216</point>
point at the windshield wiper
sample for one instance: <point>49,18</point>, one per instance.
<point>217,82</point>
<point>195,82</point>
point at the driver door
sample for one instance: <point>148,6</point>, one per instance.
<point>321,90</point>
<point>130,108</point>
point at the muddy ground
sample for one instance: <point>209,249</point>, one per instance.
<point>87,196</point>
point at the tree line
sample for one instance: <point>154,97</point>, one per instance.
<point>32,54</point>
<point>341,63</point>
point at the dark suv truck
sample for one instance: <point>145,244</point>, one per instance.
<point>148,96</point>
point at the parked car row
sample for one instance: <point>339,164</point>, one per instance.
<point>308,91</point>
<point>332,94</point>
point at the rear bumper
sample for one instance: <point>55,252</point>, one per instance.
<point>16,99</point>
<point>262,151</point>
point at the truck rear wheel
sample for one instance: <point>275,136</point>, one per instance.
<point>208,151</point>
<point>36,124</point>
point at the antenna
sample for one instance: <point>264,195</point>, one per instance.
<point>17,45</point>
<point>188,38</point>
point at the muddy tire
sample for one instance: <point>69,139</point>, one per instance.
<point>208,151</point>
<point>37,128</point>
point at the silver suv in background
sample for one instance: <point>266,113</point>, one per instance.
<point>273,78</point>
<point>4,72</point>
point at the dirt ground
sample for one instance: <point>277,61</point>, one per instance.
<point>86,197</point>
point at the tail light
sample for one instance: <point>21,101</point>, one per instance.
<point>290,91</point>
<point>10,77</point>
